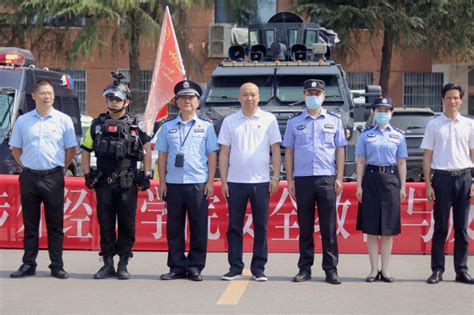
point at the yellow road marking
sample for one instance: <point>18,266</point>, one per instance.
<point>235,289</point>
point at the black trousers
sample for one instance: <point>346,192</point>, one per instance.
<point>114,209</point>
<point>451,191</point>
<point>49,190</point>
<point>187,199</point>
<point>239,195</point>
<point>311,190</point>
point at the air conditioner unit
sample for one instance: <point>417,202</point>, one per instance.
<point>220,36</point>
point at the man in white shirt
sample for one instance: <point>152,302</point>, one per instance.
<point>449,153</point>
<point>246,138</point>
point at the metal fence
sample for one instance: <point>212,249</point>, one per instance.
<point>423,89</point>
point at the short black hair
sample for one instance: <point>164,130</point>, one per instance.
<point>42,82</point>
<point>452,86</point>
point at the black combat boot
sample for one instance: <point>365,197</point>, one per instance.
<point>107,269</point>
<point>122,272</point>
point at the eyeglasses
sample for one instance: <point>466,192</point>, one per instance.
<point>112,98</point>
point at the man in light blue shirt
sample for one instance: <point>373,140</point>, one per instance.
<point>187,163</point>
<point>314,155</point>
<point>43,143</point>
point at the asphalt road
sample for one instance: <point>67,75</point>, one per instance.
<point>146,294</point>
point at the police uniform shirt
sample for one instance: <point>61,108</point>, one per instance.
<point>249,139</point>
<point>314,141</point>
<point>382,147</point>
<point>451,142</point>
<point>88,141</point>
<point>43,140</point>
<point>199,142</point>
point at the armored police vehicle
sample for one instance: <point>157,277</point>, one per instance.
<point>279,57</point>
<point>17,78</point>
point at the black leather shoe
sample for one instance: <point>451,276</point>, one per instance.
<point>24,271</point>
<point>385,279</point>
<point>372,278</point>
<point>59,273</point>
<point>332,277</point>
<point>172,276</point>
<point>195,276</point>
<point>302,276</point>
<point>435,277</point>
<point>464,277</point>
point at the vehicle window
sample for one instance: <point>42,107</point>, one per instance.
<point>290,88</point>
<point>269,37</point>
<point>6,102</point>
<point>411,122</point>
<point>311,37</point>
<point>292,37</point>
<point>226,89</point>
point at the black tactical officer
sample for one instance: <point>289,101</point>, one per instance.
<point>118,143</point>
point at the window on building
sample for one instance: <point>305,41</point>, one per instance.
<point>80,84</point>
<point>145,81</point>
<point>423,89</point>
<point>358,80</point>
<point>251,12</point>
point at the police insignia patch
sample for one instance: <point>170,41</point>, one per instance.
<point>97,128</point>
<point>141,126</point>
<point>186,84</point>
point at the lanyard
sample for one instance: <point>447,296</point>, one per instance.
<point>186,137</point>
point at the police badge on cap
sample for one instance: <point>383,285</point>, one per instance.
<point>383,102</point>
<point>187,87</point>
<point>314,84</point>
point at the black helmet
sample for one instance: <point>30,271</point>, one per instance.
<point>118,88</point>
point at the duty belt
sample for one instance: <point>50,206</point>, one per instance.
<point>389,169</point>
<point>453,173</point>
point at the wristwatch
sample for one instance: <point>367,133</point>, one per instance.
<point>149,174</point>
<point>277,178</point>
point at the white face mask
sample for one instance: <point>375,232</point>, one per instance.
<point>313,101</point>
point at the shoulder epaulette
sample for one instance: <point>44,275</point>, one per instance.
<point>170,118</point>
<point>399,130</point>
<point>205,118</point>
<point>295,115</point>
<point>368,128</point>
<point>334,114</point>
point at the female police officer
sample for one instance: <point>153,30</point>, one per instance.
<point>381,171</point>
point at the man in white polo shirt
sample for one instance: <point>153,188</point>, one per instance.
<point>449,152</point>
<point>246,138</point>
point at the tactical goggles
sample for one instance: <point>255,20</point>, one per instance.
<point>113,98</point>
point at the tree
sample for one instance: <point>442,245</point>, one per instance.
<point>442,26</point>
<point>138,20</point>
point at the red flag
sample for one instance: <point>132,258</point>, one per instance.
<point>168,71</point>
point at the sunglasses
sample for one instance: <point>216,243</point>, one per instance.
<point>112,98</point>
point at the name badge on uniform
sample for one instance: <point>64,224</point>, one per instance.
<point>371,135</point>
<point>173,130</point>
<point>329,126</point>
<point>199,130</point>
<point>393,136</point>
<point>97,128</point>
<point>301,127</point>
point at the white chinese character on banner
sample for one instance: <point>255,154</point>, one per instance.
<point>156,207</point>
<point>77,211</point>
<point>4,206</point>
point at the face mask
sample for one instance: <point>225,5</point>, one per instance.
<point>382,118</point>
<point>313,102</point>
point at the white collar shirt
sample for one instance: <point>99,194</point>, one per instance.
<point>451,141</point>
<point>249,139</point>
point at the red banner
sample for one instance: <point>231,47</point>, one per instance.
<point>168,71</point>
<point>82,231</point>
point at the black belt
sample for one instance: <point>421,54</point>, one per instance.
<point>453,173</point>
<point>43,172</point>
<point>390,169</point>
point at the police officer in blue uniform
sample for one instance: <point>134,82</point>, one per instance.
<point>187,161</point>
<point>119,143</point>
<point>314,159</point>
<point>381,171</point>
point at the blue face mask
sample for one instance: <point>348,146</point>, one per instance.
<point>314,102</point>
<point>382,118</point>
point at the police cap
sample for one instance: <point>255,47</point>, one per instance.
<point>187,87</point>
<point>383,102</point>
<point>314,84</point>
